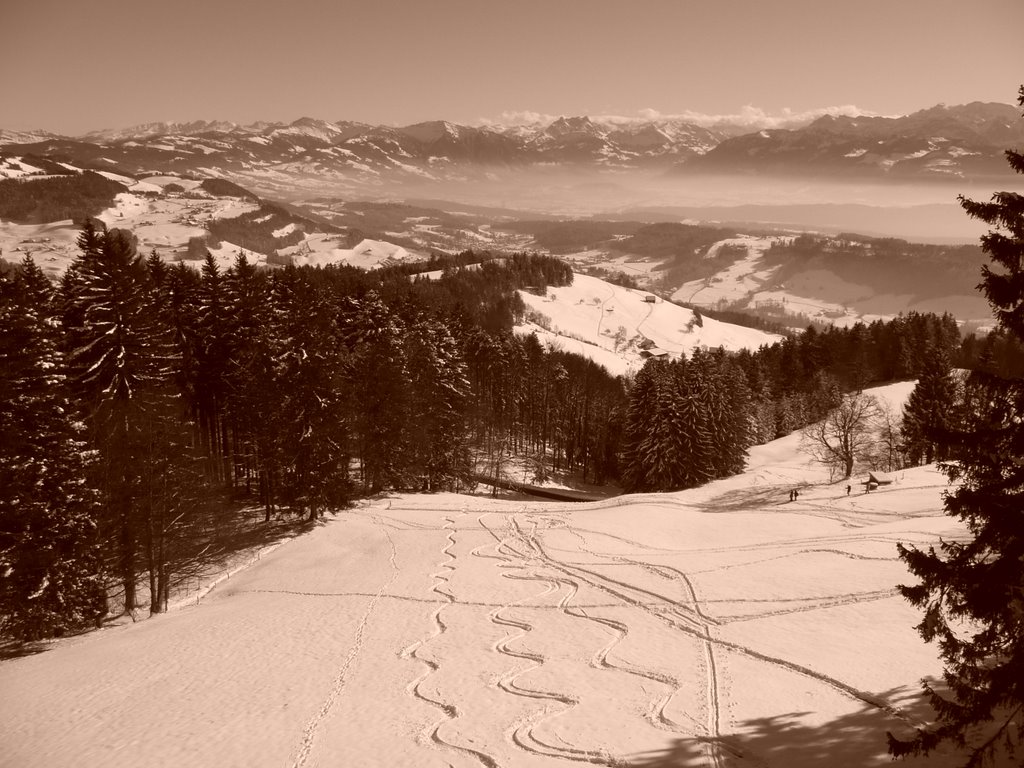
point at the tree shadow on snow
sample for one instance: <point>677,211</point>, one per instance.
<point>801,740</point>
<point>747,500</point>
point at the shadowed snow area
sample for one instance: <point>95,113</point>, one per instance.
<point>723,626</point>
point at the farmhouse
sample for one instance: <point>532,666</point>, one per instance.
<point>654,352</point>
<point>875,479</point>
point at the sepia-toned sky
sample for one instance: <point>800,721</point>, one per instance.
<point>72,67</point>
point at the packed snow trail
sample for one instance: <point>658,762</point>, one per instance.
<point>715,627</point>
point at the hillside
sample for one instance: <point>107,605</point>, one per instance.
<point>843,280</point>
<point>617,327</point>
<point>721,626</point>
<point>180,218</point>
<point>840,278</point>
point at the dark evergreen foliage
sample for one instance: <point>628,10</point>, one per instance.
<point>972,591</point>
<point>308,386</point>
<point>688,422</point>
<point>76,197</point>
<point>929,411</point>
<point>254,230</point>
<point>225,188</point>
<point>50,570</point>
<point>120,367</point>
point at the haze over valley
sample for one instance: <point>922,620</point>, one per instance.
<point>481,384</point>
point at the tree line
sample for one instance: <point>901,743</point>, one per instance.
<point>690,421</point>
<point>134,389</point>
<point>306,387</point>
<point>73,196</point>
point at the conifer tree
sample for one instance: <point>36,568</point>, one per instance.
<point>310,365</point>
<point>439,393</point>
<point>642,396</point>
<point>972,592</point>
<point>120,368</point>
<point>735,417</point>
<point>665,433</point>
<point>50,568</point>
<point>701,406</point>
<point>379,392</point>
<point>927,410</point>
<point>253,404</point>
<point>213,348</point>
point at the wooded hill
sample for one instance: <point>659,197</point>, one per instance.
<point>305,388</point>
<point>74,196</point>
<point>888,265</point>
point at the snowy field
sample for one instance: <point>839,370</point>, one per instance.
<point>723,626</point>
<point>608,323</point>
<point>817,293</point>
<point>162,224</point>
<point>320,250</point>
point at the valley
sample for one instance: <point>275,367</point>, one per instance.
<point>511,385</point>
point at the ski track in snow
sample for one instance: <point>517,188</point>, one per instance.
<point>602,582</point>
<point>525,735</point>
<point>598,645</point>
<point>451,712</point>
<point>312,728</point>
<point>520,553</point>
<point>703,624</point>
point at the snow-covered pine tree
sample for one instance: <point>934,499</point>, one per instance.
<point>253,404</point>
<point>642,403</point>
<point>439,393</point>
<point>972,592</point>
<point>379,391</point>
<point>736,419</point>
<point>310,365</point>
<point>695,421</point>
<point>50,578</point>
<point>120,369</point>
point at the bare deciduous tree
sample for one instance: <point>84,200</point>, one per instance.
<point>845,436</point>
<point>888,454</point>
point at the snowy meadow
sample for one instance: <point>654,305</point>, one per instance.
<point>721,626</point>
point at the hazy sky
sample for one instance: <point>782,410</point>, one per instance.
<point>73,67</point>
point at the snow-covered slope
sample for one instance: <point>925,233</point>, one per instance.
<point>611,324</point>
<point>818,293</point>
<point>723,627</point>
<point>321,250</point>
<point>165,220</point>
<point>16,168</point>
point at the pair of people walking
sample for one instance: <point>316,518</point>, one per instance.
<point>794,495</point>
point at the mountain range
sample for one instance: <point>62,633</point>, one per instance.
<point>941,143</point>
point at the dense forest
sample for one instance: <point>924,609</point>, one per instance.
<point>75,196</point>
<point>888,264</point>
<point>254,230</point>
<point>135,391</point>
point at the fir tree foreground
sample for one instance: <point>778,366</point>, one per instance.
<point>972,592</point>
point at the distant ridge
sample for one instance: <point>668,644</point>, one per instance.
<point>942,143</point>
